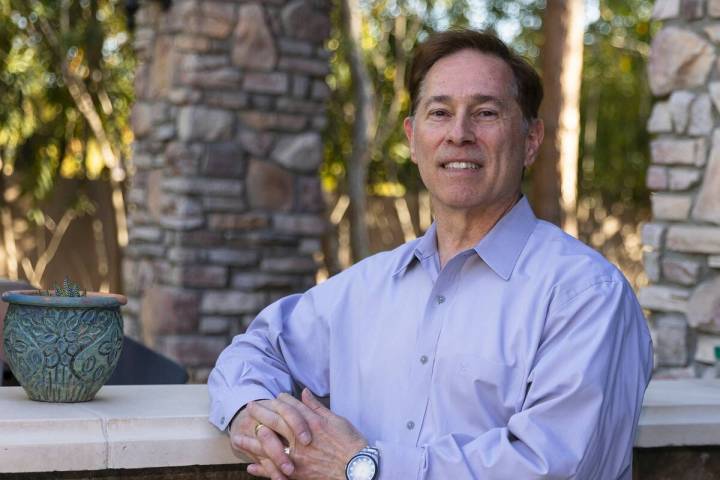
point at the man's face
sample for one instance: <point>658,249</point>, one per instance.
<point>468,136</point>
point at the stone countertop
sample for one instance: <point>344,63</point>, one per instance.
<point>123,427</point>
<point>166,425</point>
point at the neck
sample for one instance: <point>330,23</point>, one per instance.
<point>459,230</point>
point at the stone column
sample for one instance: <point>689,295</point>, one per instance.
<point>683,241</point>
<point>225,207</point>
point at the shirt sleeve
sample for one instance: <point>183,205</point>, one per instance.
<point>580,410</point>
<point>284,347</point>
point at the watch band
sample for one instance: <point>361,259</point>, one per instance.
<point>367,451</point>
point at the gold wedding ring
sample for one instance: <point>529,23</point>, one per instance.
<point>258,427</point>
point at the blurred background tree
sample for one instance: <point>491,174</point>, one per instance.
<point>612,199</point>
<point>66,89</point>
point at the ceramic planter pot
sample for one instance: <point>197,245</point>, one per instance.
<point>62,349</point>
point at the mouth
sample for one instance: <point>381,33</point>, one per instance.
<point>460,165</point>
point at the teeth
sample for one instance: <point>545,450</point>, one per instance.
<point>462,165</point>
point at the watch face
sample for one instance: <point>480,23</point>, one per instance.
<point>362,467</point>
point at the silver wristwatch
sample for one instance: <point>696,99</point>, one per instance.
<point>364,465</point>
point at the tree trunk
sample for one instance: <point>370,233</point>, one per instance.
<point>363,130</point>
<point>554,179</point>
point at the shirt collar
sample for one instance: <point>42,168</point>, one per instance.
<point>500,248</point>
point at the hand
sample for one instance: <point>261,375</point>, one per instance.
<point>264,445</point>
<point>334,442</point>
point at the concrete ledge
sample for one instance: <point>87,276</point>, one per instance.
<point>124,427</point>
<point>140,427</point>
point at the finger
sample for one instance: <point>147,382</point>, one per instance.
<point>287,407</point>
<point>314,404</point>
<point>270,419</point>
<point>249,446</point>
<point>274,449</point>
<point>257,470</point>
<point>271,469</point>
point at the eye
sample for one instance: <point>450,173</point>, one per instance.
<point>438,113</point>
<point>486,114</point>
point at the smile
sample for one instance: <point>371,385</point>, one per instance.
<point>461,166</point>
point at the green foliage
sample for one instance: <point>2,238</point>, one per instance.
<point>69,289</point>
<point>47,48</point>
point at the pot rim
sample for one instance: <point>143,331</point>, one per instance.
<point>91,299</point>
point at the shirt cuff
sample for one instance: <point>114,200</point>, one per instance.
<point>400,461</point>
<point>224,407</point>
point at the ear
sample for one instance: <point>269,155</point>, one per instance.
<point>535,135</point>
<point>408,127</point>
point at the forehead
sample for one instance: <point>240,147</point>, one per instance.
<point>469,73</point>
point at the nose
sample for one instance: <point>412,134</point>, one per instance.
<point>461,131</point>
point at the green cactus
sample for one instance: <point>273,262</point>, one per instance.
<point>69,289</point>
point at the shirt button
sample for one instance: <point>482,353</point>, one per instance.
<point>440,299</point>
<point>410,425</point>
<point>423,359</point>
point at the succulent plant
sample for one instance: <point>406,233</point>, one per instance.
<point>69,289</point>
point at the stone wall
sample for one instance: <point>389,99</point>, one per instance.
<point>682,242</point>
<point>225,205</point>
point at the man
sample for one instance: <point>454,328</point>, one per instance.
<point>495,346</point>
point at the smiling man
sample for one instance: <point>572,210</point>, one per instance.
<point>495,346</point>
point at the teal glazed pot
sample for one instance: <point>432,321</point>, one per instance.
<point>62,349</point>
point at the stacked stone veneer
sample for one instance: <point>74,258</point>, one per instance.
<point>225,207</point>
<point>682,258</point>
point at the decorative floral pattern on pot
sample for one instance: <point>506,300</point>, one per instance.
<point>62,354</point>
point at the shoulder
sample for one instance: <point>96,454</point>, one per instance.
<point>566,265</point>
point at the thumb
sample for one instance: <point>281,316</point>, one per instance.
<point>314,404</point>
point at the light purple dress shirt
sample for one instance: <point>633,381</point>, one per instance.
<point>525,357</point>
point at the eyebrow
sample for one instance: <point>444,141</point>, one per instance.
<point>477,98</point>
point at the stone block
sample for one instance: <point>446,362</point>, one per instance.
<point>162,69</point>
<point>666,9</point>
<point>232,302</point>
<point>262,102</point>
<point>184,96</point>
<point>202,62</point>
<point>295,47</point>
<point>191,350</point>
<point>657,178</point>
<point>314,67</point>
<point>704,306</point>
<point>707,204</point>
<point>181,222</point>
<point>668,206</point>
<point>294,105</point>
<point>663,298</point>
<point>182,158</point>
<point>678,59</point>
<point>301,152</point>
<point>214,325</point>
<point>181,206</point>
<point>288,265</point>
<point>310,246</point>
<point>321,91</point>
<point>273,121</point>
<point>652,234</point>
<point>228,77</point>
<point>256,143</point>
<point>232,257</point>
<point>681,178</point>
<point>169,310</point>
<point>701,118</point>
<point>665,151</point>
<point>269,186</point>
<point>145,234</point>
<point>684,271</point>
<point>227,100</point>
<point>206,186</point>
<point>223,160</point>
<point>185,255</point>
<point>266,82</point>
<point>660,120</point>
<point>670,340</point>
<point>309,194</point>
<point>141,119</point>
<point>224,204</point>
<point>142,250</point>
<point>196,276</point>
<point>680,102</point>
<point>253,45</point>
<point>200,123</point>
<point>237,221</point>
<point>301,21</point>
<point>202,238</point>
<point>693,239</point>
<point>300,224</point>
<point>705,348</point>
<point>713,8</point>
<point>193,43</point>
<point>651,262</point>
<point>263,281</point>
<point>692,9</point>
<point>300,85</point>
<point>211,19</point>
